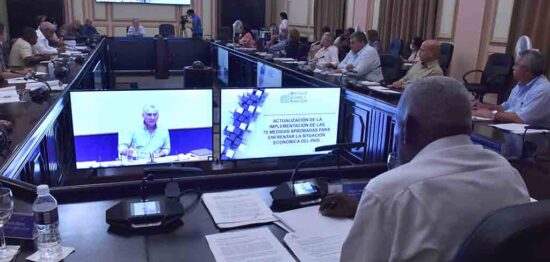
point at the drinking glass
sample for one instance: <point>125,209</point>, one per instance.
<point>393,160</point>
<point>6,209</point>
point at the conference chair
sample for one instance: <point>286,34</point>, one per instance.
<point>224,33</point>
<point>391,67</point>
<point>516,233</point>
<point>495,77</point>
<point>396,46</point>
<point>445,56</point>
<point>167,30</point>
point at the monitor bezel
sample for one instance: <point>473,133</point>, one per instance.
<point>221,128</point>
<point>212,142</point>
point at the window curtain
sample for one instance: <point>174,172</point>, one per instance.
<point>328,13</point>
<point>531,18</point>
<point>406,19</point>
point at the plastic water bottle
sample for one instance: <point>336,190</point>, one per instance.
<point>47,224</point>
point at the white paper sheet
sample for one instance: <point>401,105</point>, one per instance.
<point>65,252</point>
<point>237,207</point>
<point>9,95</point>
<point>309,221</point>
<point>316,248</point>
<point>247,246</point>
<point>518,128</point>
<point>19,80</point>
<point>54,84</point>
<point>479,118</point>
<point>369,83</point>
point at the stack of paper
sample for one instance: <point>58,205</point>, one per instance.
<point>284,59</point>
<point>316,248</point>
<point>247,245</point>
<point>237,208</point>
<point>518,128</point>
<point>55,85</point>
<point>369,83</point>
<point>314,237</point>
<point>480,119</point>
<point>9,95</point>
<point>19,80</point>
<point>382,89</point>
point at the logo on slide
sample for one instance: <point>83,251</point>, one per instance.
<point>294,98</point>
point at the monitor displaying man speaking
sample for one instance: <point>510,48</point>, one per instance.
<point>141,127</point>
<point>146,141</point>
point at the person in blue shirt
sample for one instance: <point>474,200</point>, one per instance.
<point>88,28</point>
<point>528,103</point>
<point>197,24</point>
<point>148,140</point>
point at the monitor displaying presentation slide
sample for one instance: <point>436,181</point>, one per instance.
<point>165,2</point>
<point>268,76</point>
<point>141,127</point>
<point>262,123</point>
<point>223,65</point>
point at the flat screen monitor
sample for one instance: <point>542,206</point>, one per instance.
<point>268,76</point>
<point>277,122</point>
<point>223,65</point>
<point>164,2</point>
<point>141,127</point>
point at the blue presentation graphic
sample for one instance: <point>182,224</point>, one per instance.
<point>166,2</point>
<point>268,76</point>
<point>261,123</point>
<point>223,65</point>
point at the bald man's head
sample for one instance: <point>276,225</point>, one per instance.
<point>431,109</point>
<point>429,51</point>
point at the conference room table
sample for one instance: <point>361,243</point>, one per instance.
<point>40,152</point>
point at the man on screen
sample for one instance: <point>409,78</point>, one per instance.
<point>148,141</point>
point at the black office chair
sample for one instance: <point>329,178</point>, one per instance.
<point>517,233</point>
<point>495,78</point>
<point>396,46</point>
<point>445,56</point>
<point>224,33</point>
<point>303,50</point>
<point>391,67</point>
<point>167,30</point>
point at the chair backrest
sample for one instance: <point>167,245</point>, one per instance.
<point>391,67</point>
<point>516,233</point>
<point>224,33</point>
<point>498,71</point>
<point>167,30</point>
<point>445,56</point>
<point>396,46</point>
<point>303,50</point>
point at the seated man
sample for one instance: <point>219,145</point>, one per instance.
<point>148,141</point>
<point>72,30</point>
<point>45,31</point>
<point>363,60</point>
<point>88,29</point>
<point>315,47</point>
<point>4,72</point>
<point>21,54</point>
<point>428,66</point>
<point>424,209</point>
<point>283,41</point>
<point>529,100</point>
<point>136,29</point>
<point>327,56</point>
